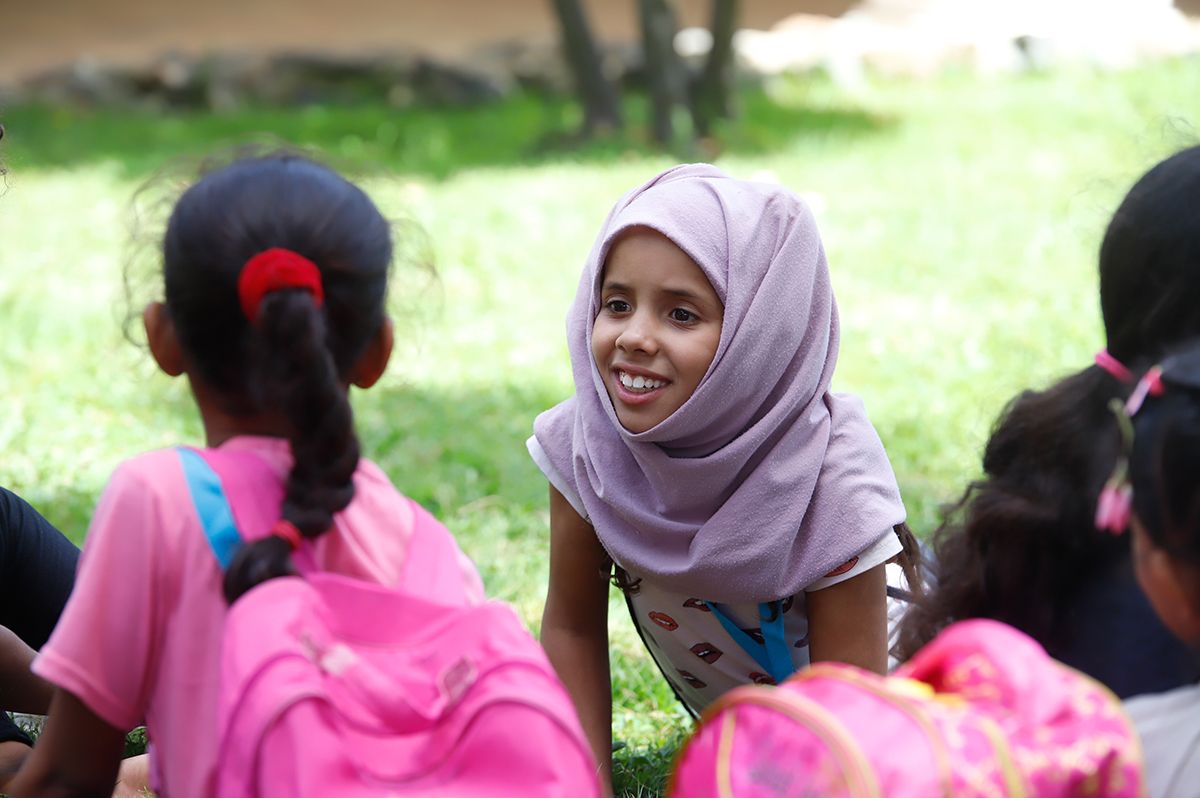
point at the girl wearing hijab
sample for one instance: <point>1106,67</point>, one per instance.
<point>703,462</point>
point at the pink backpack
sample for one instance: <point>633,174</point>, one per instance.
<point>980,711</point>
<point>333,686</point>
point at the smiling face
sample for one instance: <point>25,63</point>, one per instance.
<point>657,330</point>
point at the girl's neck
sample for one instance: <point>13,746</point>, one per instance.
<point>219,430</point>
<point>220,425</point>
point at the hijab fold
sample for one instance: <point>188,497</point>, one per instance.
<point>764,480</point>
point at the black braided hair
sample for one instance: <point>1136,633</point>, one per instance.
<point>295,357</point>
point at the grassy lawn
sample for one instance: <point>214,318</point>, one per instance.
<point>961,218</point>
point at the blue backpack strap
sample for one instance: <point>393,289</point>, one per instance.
<point>212,507</point>
<point>778,652</point>
<point>773,654</point>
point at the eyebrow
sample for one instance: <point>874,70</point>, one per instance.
<point>682,293</point>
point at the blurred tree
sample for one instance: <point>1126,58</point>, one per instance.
<point>712,91</point>
<point>601,110</point>
<point>676,97</point>
<point>666,79</point>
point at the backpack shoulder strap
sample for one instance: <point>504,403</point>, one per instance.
<point>212,507</point>
<point>772,654</point>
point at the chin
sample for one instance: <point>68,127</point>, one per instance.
<point>637,424</point>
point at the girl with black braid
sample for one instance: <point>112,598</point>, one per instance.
<point>275,274</point>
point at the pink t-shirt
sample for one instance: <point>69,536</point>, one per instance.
<point>140,638</point>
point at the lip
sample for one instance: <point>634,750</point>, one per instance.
<point>627,396</point>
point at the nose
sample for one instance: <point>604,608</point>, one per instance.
<point>638,335</point>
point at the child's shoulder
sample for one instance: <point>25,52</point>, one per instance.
<point>373,476</point>
<point>375,488</point>
<point>411,532</point>
<point>154,471</point>
<point>138,512</point>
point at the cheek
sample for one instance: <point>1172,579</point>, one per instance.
<point>601,341</point>
<point>1157,582</point>
<point>701,353</point>
<point>1141,556</point>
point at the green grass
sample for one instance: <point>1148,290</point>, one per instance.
<point>961,218</point>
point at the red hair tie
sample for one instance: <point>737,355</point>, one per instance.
<point>288,532</point>
<point>275,269</point>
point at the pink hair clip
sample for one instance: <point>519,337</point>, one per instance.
<point>1149,385</point>
<point>1116,501</point>
<point>1115,505</point>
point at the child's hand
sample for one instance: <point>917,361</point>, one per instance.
<point>133,780</point>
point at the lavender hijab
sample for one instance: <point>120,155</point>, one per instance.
<point>763,481</point>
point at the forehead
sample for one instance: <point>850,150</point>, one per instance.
<point>690,213</point>
<point>640,254</point>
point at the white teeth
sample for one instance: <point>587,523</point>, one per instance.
<point>639,383</point>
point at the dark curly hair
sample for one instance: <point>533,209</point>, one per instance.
<point>1021,540</point>
<point>1020,545</point>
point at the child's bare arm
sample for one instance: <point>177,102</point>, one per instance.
<point>133,779</point>
<point>77,755</point>
<point>575,625</point>
<point>20,689</point>
<point>847,622</point>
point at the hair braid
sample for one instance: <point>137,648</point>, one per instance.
<point>297,374</point>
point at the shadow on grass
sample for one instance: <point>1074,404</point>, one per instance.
<point>645,772</point>
<point>460,452</point>
<point>523,130</point>
<point>453,449</point>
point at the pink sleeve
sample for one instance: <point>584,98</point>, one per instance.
<point>101,649</point>
<point>471,579</point>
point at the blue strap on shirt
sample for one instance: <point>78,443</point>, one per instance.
<point>211,506</point>
<point>773,654</point>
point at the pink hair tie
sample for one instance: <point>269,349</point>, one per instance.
<point>273,270</point>
<point>289,532</point>
<point>1116,498</point>
<point>1116,503</point>
<point>1113,366</point>
<point>1149,385</point>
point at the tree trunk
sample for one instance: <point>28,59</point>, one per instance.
<point>712,95</point>
<point>601,110</point>
<point>664,71</point>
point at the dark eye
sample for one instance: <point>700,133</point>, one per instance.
<point>683,316</point>
<point>617,305</point>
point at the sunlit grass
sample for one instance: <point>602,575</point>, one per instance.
<point>961,218</point>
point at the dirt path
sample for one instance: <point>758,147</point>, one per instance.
<point>48,33</point>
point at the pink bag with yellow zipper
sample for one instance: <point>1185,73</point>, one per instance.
<point>980,711</point>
